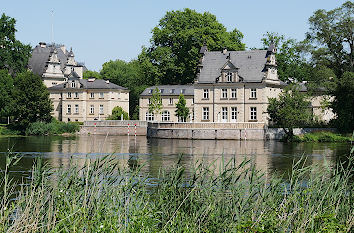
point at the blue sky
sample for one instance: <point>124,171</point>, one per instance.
<point>105,30</point>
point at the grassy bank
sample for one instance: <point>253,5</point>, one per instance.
<point>52,128</point>
<point>230,197</point>
<point>5,131</point>
<point>322,136</point>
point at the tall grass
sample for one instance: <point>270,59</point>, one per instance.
<point>52,128</point>
<point>225,197</point>
<point>322,136</point>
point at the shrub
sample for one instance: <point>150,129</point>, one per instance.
<point>7,131</point>
<point>322,136</point>
<point>52,128</point>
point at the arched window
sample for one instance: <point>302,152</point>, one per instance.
<point>165,116</point>
<point>149,116</point>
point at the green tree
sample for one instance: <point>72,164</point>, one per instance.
<point>117,114</point>
<point>6,94</point>
<point>14,55</point>
<point>91,74</point>
<point>331,34</point>
<point>129,75</point>
<point>290,57</point>
<point>290,110</point>
<point>32,101</point>
<point>182,111</point>
<point>155,105</point>
<point>173,55</point>
<point>343,104</point>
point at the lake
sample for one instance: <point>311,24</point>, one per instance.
<point>154,154</point>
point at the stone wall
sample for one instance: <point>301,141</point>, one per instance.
<point>114,128</point>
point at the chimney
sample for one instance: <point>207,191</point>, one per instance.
<point>224,51</point>
<point>107,81</point>
<point>42,44</point>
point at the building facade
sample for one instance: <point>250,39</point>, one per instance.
<point>169,96</point>
<point>87,99</point>
<point>231,86</point>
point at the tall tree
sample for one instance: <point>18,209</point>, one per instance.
<point>32,100</point>
<point>331,33</point>
<point>129,75</point>
<point>117,113</point>
<point>290,57</point>
<point>155,105</point>
<point>290,110</point>
<point>174,52</point>
<point>6,94</point>
<point>13,54</point>
<point>182,111</point>
<point>91,74</point>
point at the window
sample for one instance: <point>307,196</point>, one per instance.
<point>205,113</point>
<point>224,93</point>
<point>234,114</point>
<point>92,109</point>
<point>253,93</point>
<point>171,100</point>
<point>69,95</point>
<point>149,101</point>
<point>101,108</point>
<point>73,85</point>
<point>229,77</point>
<point>54,83</point>
<point>172,91</point>
<point>69,109</point>
<point>101,95</point>
<point>165,116</point>
<point>192,100</point>
<point>150,91</point>
<point>234,93</point>
<point>149,116</point>
<point>92,95</point>
<point>224,114</point>
<point>206,94</point>
<point>253,113</point>
<point>76,95</point>
<point>76,108</point>
<point>183,91</point>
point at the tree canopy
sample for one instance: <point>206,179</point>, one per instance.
<point>290,110</point>
<point>14,55</point>
<point>173,55</point>
<point>91,74</point>
<point>182,111</point>
<point>155,105</point>
<point>117,113</point>
<point>6,94</point>
<point>32,100</point>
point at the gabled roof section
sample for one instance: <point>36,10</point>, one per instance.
<point>73,75</point>
<point>229,66</point>
<point>250,65</point>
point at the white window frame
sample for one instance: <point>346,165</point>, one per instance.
<point>171,101</point>
<point>76,108</point>
<point>69,95</point>
<point>253,113</point>
<point>233,114</point>
<point>253,93</point>
<point>92,109</point>
<point>101,109</point>
<point>205,114</point>
<point>73,84</point>
<point>233,93</point>
<point>165,116</point>
<point>69,109</point>
<point>101,95</point>
<point>205,93</point>
<point>92,95</point>
<point>149,116</point>
<point>224,114</point>
<point>76,95</point>
<point>229,77</point>
<point>224,93</point>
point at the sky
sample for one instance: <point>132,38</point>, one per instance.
<point>100,31</point>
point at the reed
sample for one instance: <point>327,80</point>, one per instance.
<point>222,196</point>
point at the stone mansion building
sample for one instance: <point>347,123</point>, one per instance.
<point>74,98</point>
<point>230,86</point>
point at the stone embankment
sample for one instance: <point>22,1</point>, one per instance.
<point>111,127</point>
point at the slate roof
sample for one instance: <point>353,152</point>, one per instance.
<point>86,84</point>
<point>40,56</point>
<point>251,65</point>
<point>170,90</point>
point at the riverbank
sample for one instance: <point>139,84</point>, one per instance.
<point>323,136</point>
<point>229,197</point>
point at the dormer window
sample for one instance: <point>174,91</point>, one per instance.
<point>73,84</point>
<point>229,77</point>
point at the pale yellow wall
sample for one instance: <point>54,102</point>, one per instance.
<point>144,107</point>
<point>111,99</point>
